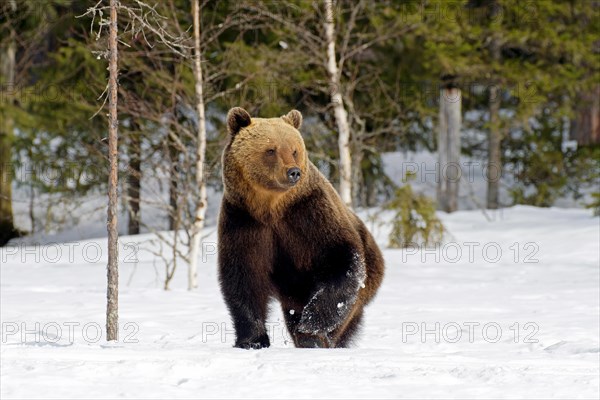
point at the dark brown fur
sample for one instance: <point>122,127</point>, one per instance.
<point>298,243</point>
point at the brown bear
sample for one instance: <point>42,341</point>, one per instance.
<point>285,233</point>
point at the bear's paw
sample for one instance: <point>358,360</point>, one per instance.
<point>255,343</point>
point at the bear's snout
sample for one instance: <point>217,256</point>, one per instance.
<point>293,175</point>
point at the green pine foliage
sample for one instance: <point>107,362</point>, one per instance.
<point>595,204</point>
<point>269,57</point>
<point>415,221</point>
<point>544,171</point>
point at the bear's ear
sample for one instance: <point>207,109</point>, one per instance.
<point>237,118</point>
<point>294,118</point>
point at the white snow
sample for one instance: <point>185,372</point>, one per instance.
<point>507,308</point>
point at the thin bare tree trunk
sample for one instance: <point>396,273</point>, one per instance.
<point>453,171</point>
<point>442,145</point>
<point>134,176</point>
<point>341,116</point>
<point>449,170</point>
<point>173,185</point>
<point>357,176</point>
<point>32,208</point>
<point>7,62</point>
<point>494,137</point>
<point>585,126</point>
<point>201,203</point>
<point>112,309</point>
<point>494,146</point>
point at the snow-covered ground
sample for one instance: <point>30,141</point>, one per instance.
<point>507,308</point>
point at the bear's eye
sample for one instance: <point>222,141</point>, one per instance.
<point>271,152</point>
<point>295,153</point>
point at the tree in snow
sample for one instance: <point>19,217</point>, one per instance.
<point>449,169</point>
<point>201,202</point>
<point>112,309</point>
<point>337,102</point>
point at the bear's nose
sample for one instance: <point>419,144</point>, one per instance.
<point>293,175</point>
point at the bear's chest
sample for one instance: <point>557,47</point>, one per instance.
<point>294,266</point>
<point>296,247</point>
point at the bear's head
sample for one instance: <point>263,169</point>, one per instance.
<point>267,154</point>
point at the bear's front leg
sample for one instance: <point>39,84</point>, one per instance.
<point>244,254</point>
<point>249,324</point>
<point>334,298</point>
